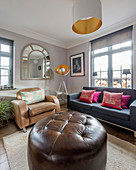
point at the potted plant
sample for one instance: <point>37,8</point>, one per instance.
<point>6,111</point>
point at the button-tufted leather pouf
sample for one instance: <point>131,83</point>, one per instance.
<point>67,141</point>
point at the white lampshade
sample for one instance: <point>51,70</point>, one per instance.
<point>87,15</point>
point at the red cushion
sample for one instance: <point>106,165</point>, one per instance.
<point>124,101</point>
<point>87,96</point>
<point>96,96</point>
<point>112,100</point>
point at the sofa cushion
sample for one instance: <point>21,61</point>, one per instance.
<point>121,114</point>
<point>125,91</point>
<point>37,108</point>
<point>83,105</point>
<point>87,96</point>
<point>124,101</point>
<point>112,100</point>
<point>79,104</point>
<point>96,96</point>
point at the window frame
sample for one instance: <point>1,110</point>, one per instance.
<point>10,56</point>
<point>110,70</point>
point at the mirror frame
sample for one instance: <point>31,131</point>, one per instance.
<point>21,64</point>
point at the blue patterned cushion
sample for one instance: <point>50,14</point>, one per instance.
<point>33,97</point>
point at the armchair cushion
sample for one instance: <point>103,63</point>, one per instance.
<point>38,108</point>
<point>33,96</point>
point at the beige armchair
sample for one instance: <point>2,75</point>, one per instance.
<point>26,115</point>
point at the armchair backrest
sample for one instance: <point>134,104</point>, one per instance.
<point>18,94</point>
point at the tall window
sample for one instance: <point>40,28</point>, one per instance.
<point>112,60</point>
<point>6,62</point>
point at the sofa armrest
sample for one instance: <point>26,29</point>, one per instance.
<point>55,100</point>
<point>21,113</point>
<point>132,108</point>
<point>72,97</point>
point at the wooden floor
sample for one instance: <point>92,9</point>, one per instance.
<point>12,128</point>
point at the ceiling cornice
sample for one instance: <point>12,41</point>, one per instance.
<point>78,41</point>
<point>34,35</point>
<point>103,31</point>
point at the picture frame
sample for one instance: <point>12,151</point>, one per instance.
<point>77,65</point>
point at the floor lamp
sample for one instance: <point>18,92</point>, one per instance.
<point>62,70</point>
<point>126,71</point>
<point>94,75</point>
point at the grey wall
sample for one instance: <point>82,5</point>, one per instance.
<point>75,84</point>
<point>57,55</point>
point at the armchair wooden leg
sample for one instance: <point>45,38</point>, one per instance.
<point>24,130</point>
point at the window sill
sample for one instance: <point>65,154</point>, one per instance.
<point>7,89</point>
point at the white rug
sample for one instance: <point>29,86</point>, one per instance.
<point>121,154</point>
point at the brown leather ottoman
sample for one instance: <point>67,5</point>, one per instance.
<point>67,141</point>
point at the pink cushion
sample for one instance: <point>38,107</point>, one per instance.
<point>87,96</point>
<point>96,96</point>
<point>124,101</point>
<point>112,100</point>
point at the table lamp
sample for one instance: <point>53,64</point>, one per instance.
<point>126,71</point>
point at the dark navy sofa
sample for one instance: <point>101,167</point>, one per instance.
<point>125,117</point>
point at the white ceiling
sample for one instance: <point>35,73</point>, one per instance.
<point>51,20</point>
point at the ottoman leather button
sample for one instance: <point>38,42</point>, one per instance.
<point>67,141</point>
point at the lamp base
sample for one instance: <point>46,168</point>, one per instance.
<point>59,92</point>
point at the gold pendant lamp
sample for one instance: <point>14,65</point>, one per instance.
<point>87,15</point>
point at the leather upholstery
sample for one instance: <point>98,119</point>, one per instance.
<point>38,108</point>
<point>23,111</point>
<point>55,100</point>
<point>36,118</point>
<point>67,141</point>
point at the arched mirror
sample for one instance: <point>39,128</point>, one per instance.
<point>35,62</point>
